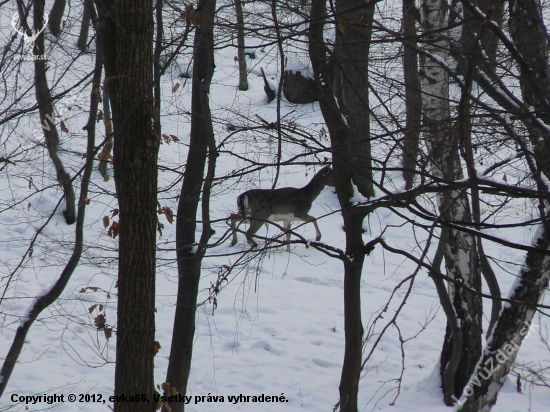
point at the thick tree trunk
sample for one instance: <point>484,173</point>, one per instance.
<point>413,96</point>
<point>353,222</point>
<point>128,31</point>
<point>460,256</point>
<point>351,55</point>
<point>189,254</point>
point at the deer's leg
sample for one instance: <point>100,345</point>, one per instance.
<point>287,231</point>
<point>255,225</point>
<point>234,218</point>
<point>308,218</point>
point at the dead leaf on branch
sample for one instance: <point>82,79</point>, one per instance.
<point>114,230</point>
<point>160,226</point>
<point>166,211</point>
<point>99,321</point>
<point>108,332</point>
<point>105,222</point>
<point>192,15</point>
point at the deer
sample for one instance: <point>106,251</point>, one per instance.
<point>287,204</point>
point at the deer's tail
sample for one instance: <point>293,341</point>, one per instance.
<point>243,204</point>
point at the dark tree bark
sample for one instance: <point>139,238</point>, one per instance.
<point>189,253</point>
<point>128,34</point>
<point>477,42</point>
<point>56,14</point>
<point>45,109</point>
<point>530,38</point>
<point>243,78</point>
<point>353,221</point>
<point>85,25</point>
<point>351,55</point>
<point>413,97</point>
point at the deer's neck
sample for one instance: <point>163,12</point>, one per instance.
<point>314,188</point>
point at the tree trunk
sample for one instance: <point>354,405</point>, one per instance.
<point>460,251</point>
<point>129,65</point>
<point>243,79</point>
<point>84,25</point>
<point>413,96</point>
<point>353,221</point>
<point>351,55</point>
<point>56,14</point>
<point>189,254</point>
<point>45,109</point>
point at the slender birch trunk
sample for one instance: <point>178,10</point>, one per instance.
<point>460,256</point>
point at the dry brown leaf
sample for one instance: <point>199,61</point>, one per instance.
<point>174,138</point>
<point>114,230</point>
<point>169,214</point>
<point>101,307</point>
<point>99,321</point>
<point>108,332</point>
<point>106,178</point>
<point>193,16</point>
<point>175,88</point>
<point>99,116</point>
<point>114,212</point>
<point>84,202</point>
<point>64,128</point>
<point>105,222</point>
<point>91,308</point>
